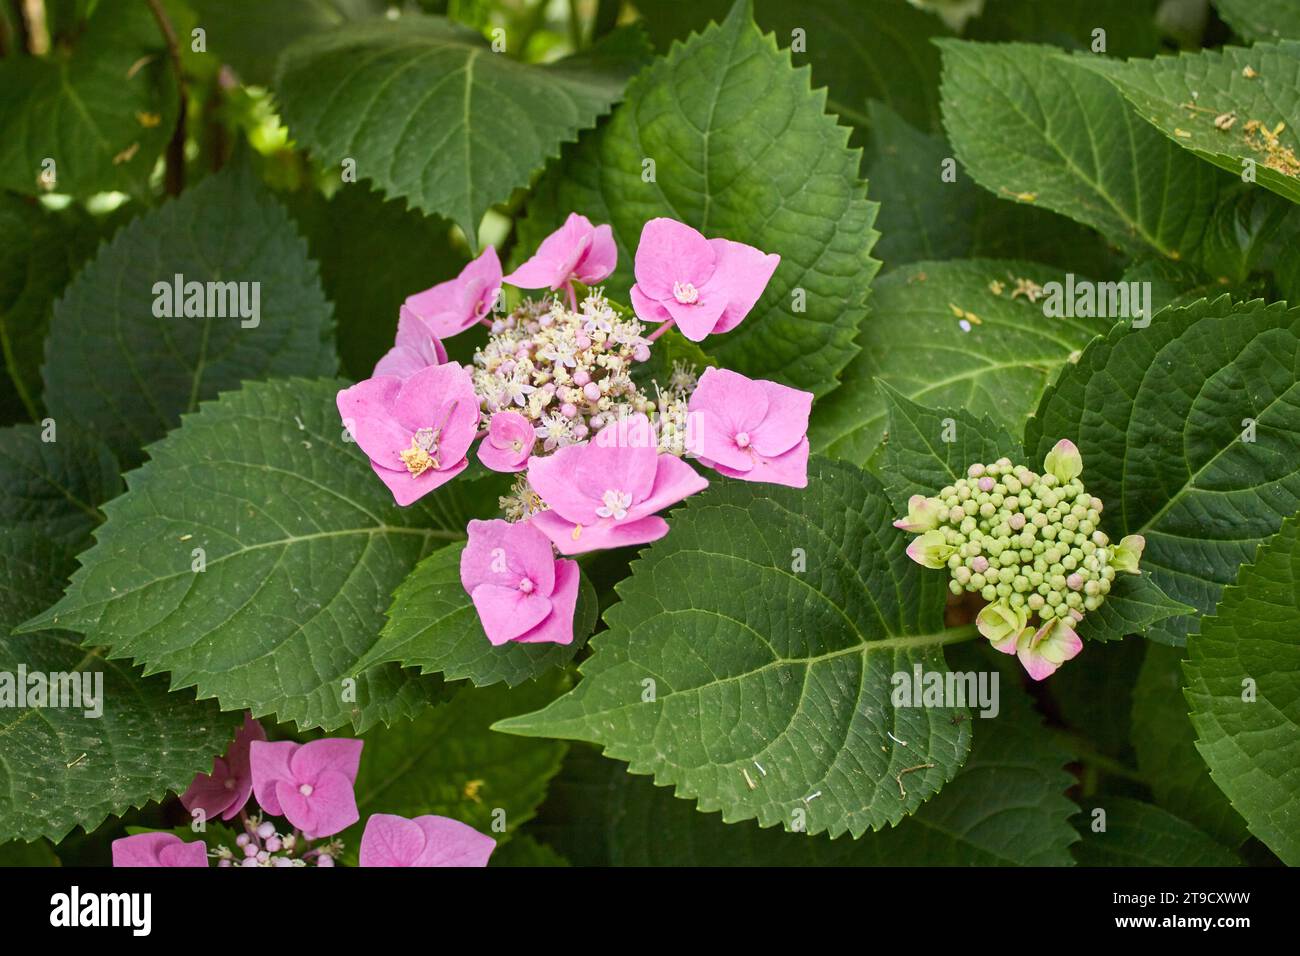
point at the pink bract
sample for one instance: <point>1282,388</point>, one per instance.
<point>451,307</point>
<point>748,429</point>
<point>416,432</point>
<point>224,792</point>
<point>508,443</point>
<point>415,348</point>
<point>391,840</point>
<point>577,250</point>
<point>604,494</point>
<point>706,286</point>
<point>158,849</point>
<point>310,785</point>
<point>521,592</point>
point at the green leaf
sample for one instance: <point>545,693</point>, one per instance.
<point>859,49</point>
<point>102,111</point>
<point>1031,124</point>
<point>58,767</point>
<point>1261,19</point>
<point>924,216</point>
<point>1141,834</point>
<point>1134,604</point>
<point>39,854</point>
<point>433,625</point>
<point>914,341</point>
<point>450,763</point>
<point>1094,695</point>
<point>112,365</point>
<point>1187,430</point>
<point>727,654</point>
<point>42,251</point>
<point>1250,741</point>
<point>1167,758</point>
<point>372,255</point>
<point>523,850</point>
<point>1006,806</point>
<point>742,149</point>
<point>250,36</point>
<point>930,448</point>
<point>1188,98</point>
<point>430,113</point>
<point>1129,25</point>
<point>302,547</point>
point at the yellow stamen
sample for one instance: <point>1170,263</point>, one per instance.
<point>417,460</point>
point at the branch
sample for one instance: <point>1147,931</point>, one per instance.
<point>174,177</point>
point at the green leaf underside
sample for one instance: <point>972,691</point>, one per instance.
<point>1134,604</point>
<point>431,114</point>
<point>1214,83</point>
<point>1142,834</point>
<point>449,763</point>
<point>58,768</point>
<point>1006,806</point>
<point>434,626</point>
<point>1030,124</point>
<point>1164,741</point>
<point>1252,746</point>
<point>743,149</point>
<point>111,364</point>
<point>1261,19</point>
<point>1159,414</point>
<point>42,251</point>
<point>919,460</point>
<point>754,664</point>
<point>303,548</point>
<point>84,109</point>
<point>913,340</point>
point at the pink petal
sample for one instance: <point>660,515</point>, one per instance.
<point>557,628</point>
<point>700,318</point>
<point>452,843</point>
<point>790,469</point>
<point>330,754</point>
<point>786,421</point>
<point>723,405</point>
<point>595,537</point>
<point>416,348</point>
<point>453,306</point>
<point>497,451</point>
<point>270,764</point>
<point>158,849</point>
<point>524,551</point>
<point>330,807</point>
<point>646,308</point>
<point>366,410</point>
<point>181,854</point>
<point>743,272</point>
<point>390,840</point>
<point>408,489</point>
<point>214,793</point>
<point>573,480</point>
<point>671,252</point>
<point>553,263</point>
<point>601,257</point>
<point>674,480</point>
<point>506,612</point>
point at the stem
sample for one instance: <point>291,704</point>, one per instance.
<point>174,177</point>
<point>1087,753</point>
<point>575,26</point>
<point>661,330</point>
<point>573,297</point>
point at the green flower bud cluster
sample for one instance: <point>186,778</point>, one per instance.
<point>1031,539</point>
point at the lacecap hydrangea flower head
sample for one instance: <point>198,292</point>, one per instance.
<point>1030,545</point>
<point>552,398</point>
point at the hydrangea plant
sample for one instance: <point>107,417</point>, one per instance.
<point>845,432</point>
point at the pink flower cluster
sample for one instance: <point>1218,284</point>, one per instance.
<point>552,399</point>
<point>312,786</point>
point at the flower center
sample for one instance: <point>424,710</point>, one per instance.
<point>685,293</point>
<point>305,789</point>
<point>526,585</point>
<point>420,457</point>
<point>616,505</point>
<point>742,439</point>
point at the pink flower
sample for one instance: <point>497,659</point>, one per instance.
<point>225,791</point>
<point>508,444</point>
<point>521,592</point>
<point>451,307</point>
<point>391,840</point>
<point>752,430</point>
<point>417,432</point>
<point>310,785</point>
<point>577,250</point>
<point>158,849</point>
<point>705,285</point>
<point>604,494</point>
<point>1041,652</point>
<point>416,348</point>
